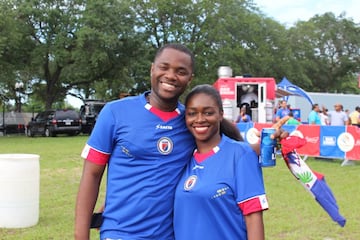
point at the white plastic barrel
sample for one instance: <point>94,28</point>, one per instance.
<point>19,190</point>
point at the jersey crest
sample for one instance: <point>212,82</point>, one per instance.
<point>165,145</point>
<point>190,183</point>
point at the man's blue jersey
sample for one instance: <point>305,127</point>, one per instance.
<point>216,191</point>
<point>146,151</point>
<point>282,112</point>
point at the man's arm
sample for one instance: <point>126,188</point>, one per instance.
<point>86,198</point>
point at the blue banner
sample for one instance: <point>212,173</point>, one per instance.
<point>328,141</point>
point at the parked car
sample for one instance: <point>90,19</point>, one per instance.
<point>89,113</point>
<point>52,122</point>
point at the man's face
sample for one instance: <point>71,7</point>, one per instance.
<point>171,73</point>
<point>317,109</point>
<point>337,107</point>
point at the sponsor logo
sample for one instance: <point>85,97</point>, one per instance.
<point>190,183</point>
<point>197,167</point>
<point>252,136</point>
<point>312,139</point>
<point>159,126</point>
<point>329,140</point>
<point>346,142</point>
<point>165,145</point>
<point>299,134</point>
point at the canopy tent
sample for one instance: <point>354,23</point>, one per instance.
<point>286,85</point>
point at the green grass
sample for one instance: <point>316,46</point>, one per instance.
<point>60,172</point>
<point>293,213</point>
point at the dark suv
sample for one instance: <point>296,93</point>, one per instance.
<point>52,122</point>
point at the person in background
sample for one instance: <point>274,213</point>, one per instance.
<point>314,116</point>
<point>347,111</point>
<point>355,117</point>
<point>324,118</point>
<point>292,120</point>
<point>222,190</point>
<point>338,117</point>
<point>282,111</point>
<point>243,117</point>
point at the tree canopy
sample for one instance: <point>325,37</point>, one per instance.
<point>99,49</point>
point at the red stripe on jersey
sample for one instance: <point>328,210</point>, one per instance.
<point>94,155</point>
<point>256,204</point>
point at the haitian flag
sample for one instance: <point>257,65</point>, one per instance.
<point>311,180</point>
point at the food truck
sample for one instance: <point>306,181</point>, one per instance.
<point>256,94</point>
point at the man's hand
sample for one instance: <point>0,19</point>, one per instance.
<point>280,133</point>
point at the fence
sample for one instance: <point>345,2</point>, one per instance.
<point>342,142</point>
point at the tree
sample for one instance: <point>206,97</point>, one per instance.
<point>327,50</point>
<point>15,49</point>
<point>107,46</point>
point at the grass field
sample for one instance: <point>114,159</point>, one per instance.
<point>293,213</point>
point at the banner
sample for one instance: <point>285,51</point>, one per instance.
<point>341,142</point>
<point>329,141</point>
<point>312,135</point>
<point>352,139</point>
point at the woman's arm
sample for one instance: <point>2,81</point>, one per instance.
<point>255,226</point>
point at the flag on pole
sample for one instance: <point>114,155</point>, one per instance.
<point>311,180</point>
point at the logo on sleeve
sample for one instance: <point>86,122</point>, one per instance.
<point>165,145</point>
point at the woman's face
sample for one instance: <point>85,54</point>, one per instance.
<point>203,117</point>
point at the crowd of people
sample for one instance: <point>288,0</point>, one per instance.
<point>320,115</point>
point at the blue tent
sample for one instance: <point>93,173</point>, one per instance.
<point>286,85</point>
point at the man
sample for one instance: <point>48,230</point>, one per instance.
<point>144,143</point>
<point>292,120</point>
<point>355,117</point>
<point>314,116</point>
<point>324,118</point>
<point>283,111</point>
<point>338,117</point>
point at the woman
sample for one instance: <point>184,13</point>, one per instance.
<point>221,193</point>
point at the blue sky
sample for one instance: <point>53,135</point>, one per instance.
<point>289,11</point>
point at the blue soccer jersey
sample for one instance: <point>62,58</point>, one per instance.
<point>216,191</point>
<point>146,150</point>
